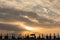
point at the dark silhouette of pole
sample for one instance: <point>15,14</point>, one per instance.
<point>58,37</point>
<point>54,37</point>
<point>1,37</point>
<point>13,37</point>
<point>6,37</point>
<point>39,37</point>
<point>47,37</point>
<point>50,37</point>
<point>42,37</point>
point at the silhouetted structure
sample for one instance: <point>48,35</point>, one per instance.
<point>1,37</point>
<point>31,37</point>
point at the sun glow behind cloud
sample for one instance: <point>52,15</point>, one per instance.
<point>23,26</point>
<point>28,28</point>
<point>31,28</point>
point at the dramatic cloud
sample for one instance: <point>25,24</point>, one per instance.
<point>35,12</point>
<point>10,27</point>
<point>17,15</point>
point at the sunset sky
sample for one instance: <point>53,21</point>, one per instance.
<point>41,16</point>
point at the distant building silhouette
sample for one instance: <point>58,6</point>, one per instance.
<point>31,37</point>
<point>6,37</point>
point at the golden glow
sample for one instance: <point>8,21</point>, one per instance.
<point>30,28</point>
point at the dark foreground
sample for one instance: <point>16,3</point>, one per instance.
<point>30,37</point>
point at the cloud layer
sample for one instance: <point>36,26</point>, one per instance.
<point>9,27</point>
<point>35,12</point>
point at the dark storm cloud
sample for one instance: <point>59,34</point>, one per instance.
<point>9,14</point>
<point>10,27</point>
<point>12,14</point>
